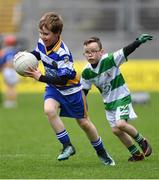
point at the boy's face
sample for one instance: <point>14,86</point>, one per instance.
<point>48,37</point>
<point>92,52</point>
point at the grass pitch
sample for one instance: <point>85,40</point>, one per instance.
<point>28,147</point>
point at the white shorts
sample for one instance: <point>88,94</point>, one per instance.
<point>10,76</point>
<point>122,112</point>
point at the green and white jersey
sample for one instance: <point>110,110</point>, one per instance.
<point>108,79</point>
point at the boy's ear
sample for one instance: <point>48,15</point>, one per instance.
<point>102,51</point>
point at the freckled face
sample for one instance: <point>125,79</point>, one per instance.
<point>48,36</point>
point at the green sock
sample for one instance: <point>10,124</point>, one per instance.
<point>138,138</point>
<point>133,150</point>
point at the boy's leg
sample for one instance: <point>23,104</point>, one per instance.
<point>144,144</point>
<point>127,141</point>
<point>131,130</point>
<point>95,140</point>
<point>127,112</point>
<point>51,109</point>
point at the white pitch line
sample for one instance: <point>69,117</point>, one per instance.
<point>23,155</point>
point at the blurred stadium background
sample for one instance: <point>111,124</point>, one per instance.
<point>116,22</point>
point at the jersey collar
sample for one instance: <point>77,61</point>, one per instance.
<point>96,69</point>
<point>56,46</point>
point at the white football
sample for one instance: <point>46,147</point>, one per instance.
<point>23,60</point>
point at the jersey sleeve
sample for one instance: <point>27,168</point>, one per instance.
<point>119,57</point>
<point>85,82</point>
<point>36,54</point>
<point>65,66</point>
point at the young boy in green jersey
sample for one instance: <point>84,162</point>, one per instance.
<point>103,71</point>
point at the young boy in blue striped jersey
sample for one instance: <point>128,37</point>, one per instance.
<point>63,89</point>
<point>103,71</point>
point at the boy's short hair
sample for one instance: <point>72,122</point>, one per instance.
<point>91,40</point>
<point>51,21</point>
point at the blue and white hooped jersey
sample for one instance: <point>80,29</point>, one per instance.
<point>59,61</point>
<point>7,55</point>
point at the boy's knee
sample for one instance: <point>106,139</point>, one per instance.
<point>50,112</point>
<point>121,124</point>
<point>116,131</point>
<point>85,124</point>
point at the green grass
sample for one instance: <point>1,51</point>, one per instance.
<point>28,147</point>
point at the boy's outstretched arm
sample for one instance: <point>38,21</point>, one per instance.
<point>140,40</point>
